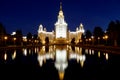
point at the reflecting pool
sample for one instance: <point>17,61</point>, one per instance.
<point>58,63</point>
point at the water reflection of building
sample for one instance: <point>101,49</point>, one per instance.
<point>43,55</point>
<point>61,55</point>
<point>61,33</point>
<point>61,62</point>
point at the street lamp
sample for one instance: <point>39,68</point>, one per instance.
<point>98,40</point>
<point>106,37</point>
<point>14,40</point>
<point>92,39</point>
<point>5,38</point>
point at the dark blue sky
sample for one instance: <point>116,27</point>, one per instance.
<point>27,15</point>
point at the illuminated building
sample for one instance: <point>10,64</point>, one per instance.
<point>61,34</point>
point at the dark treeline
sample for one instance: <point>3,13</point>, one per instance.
<point>110,37</point>
<point>17,38</point>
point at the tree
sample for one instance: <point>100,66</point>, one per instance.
<point>18,37</point>
<point>118,32</point>
<point>88,34</point>
<point>35,36</point>
<point>2,34</point>
<point>113,32</point>
<point>29,38</point>
<point>83,38</point>
<point>2,29</point>
<point>98,34</point>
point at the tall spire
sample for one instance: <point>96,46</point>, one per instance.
<point>61,12</point>
<point>61,6</point>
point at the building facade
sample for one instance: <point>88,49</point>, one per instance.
<point>61,34</point>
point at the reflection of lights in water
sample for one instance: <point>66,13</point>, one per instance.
<point>61,55</point>
<point>82,63</point>
<point>29,51</point>
<point>78,60</point>
<point>5,56</point>
<point>40,59</point>
<point>98,53</point>
<point>25,52</point>
<point>92,51</point>
<point>86,51</point>
<point>67,47</point>
<point>44,60</point>
<point>61,75</point>
<point>14,55</point>
<point>77,49</point>
<point>61,66</point>
<point>49,56</point>
<point>82,60</point>
<point>106,56</point>
<point>80,50</point>
<point>61,62</point>
<point>72,56</point>
<point>35,50</point>
<point>43,48</point>
<point>54,47</point>
<point>43,57</point>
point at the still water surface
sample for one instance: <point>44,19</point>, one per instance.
<point>58,63</point>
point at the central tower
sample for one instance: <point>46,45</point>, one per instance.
<point>61,34</point>
<point>61,27</point>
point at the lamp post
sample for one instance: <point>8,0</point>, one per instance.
<point>5,38</point>
<point>98,40</point>
<point>14,40</point>
<point>106,37</point>
<point>92,40</point>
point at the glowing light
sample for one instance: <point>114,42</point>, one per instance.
<point>14,55</point>
<point>61,62</point>
<point>80,50</point>
<point>106,56</point>
<point>29,51</point>
<point>40,59</point>
<point>61,55</point>
<point>61,31</point>
<point>5,37</point>
<point>86,51</point>
<point>25,52</point>
<point>72,56</point>
<point>14,39</point>
<point>13,33</point>
<point>5,56</point>
<point>82,63</point>
<point>35,50</point>
<point>24,38</point>
<point>92,51</point>
<point>61,75</point>
<point>98,53</point>
<point>82,60</point>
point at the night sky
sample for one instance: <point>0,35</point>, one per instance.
<point>27,15</point>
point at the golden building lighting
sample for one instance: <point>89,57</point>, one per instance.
<point>61,34</point>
